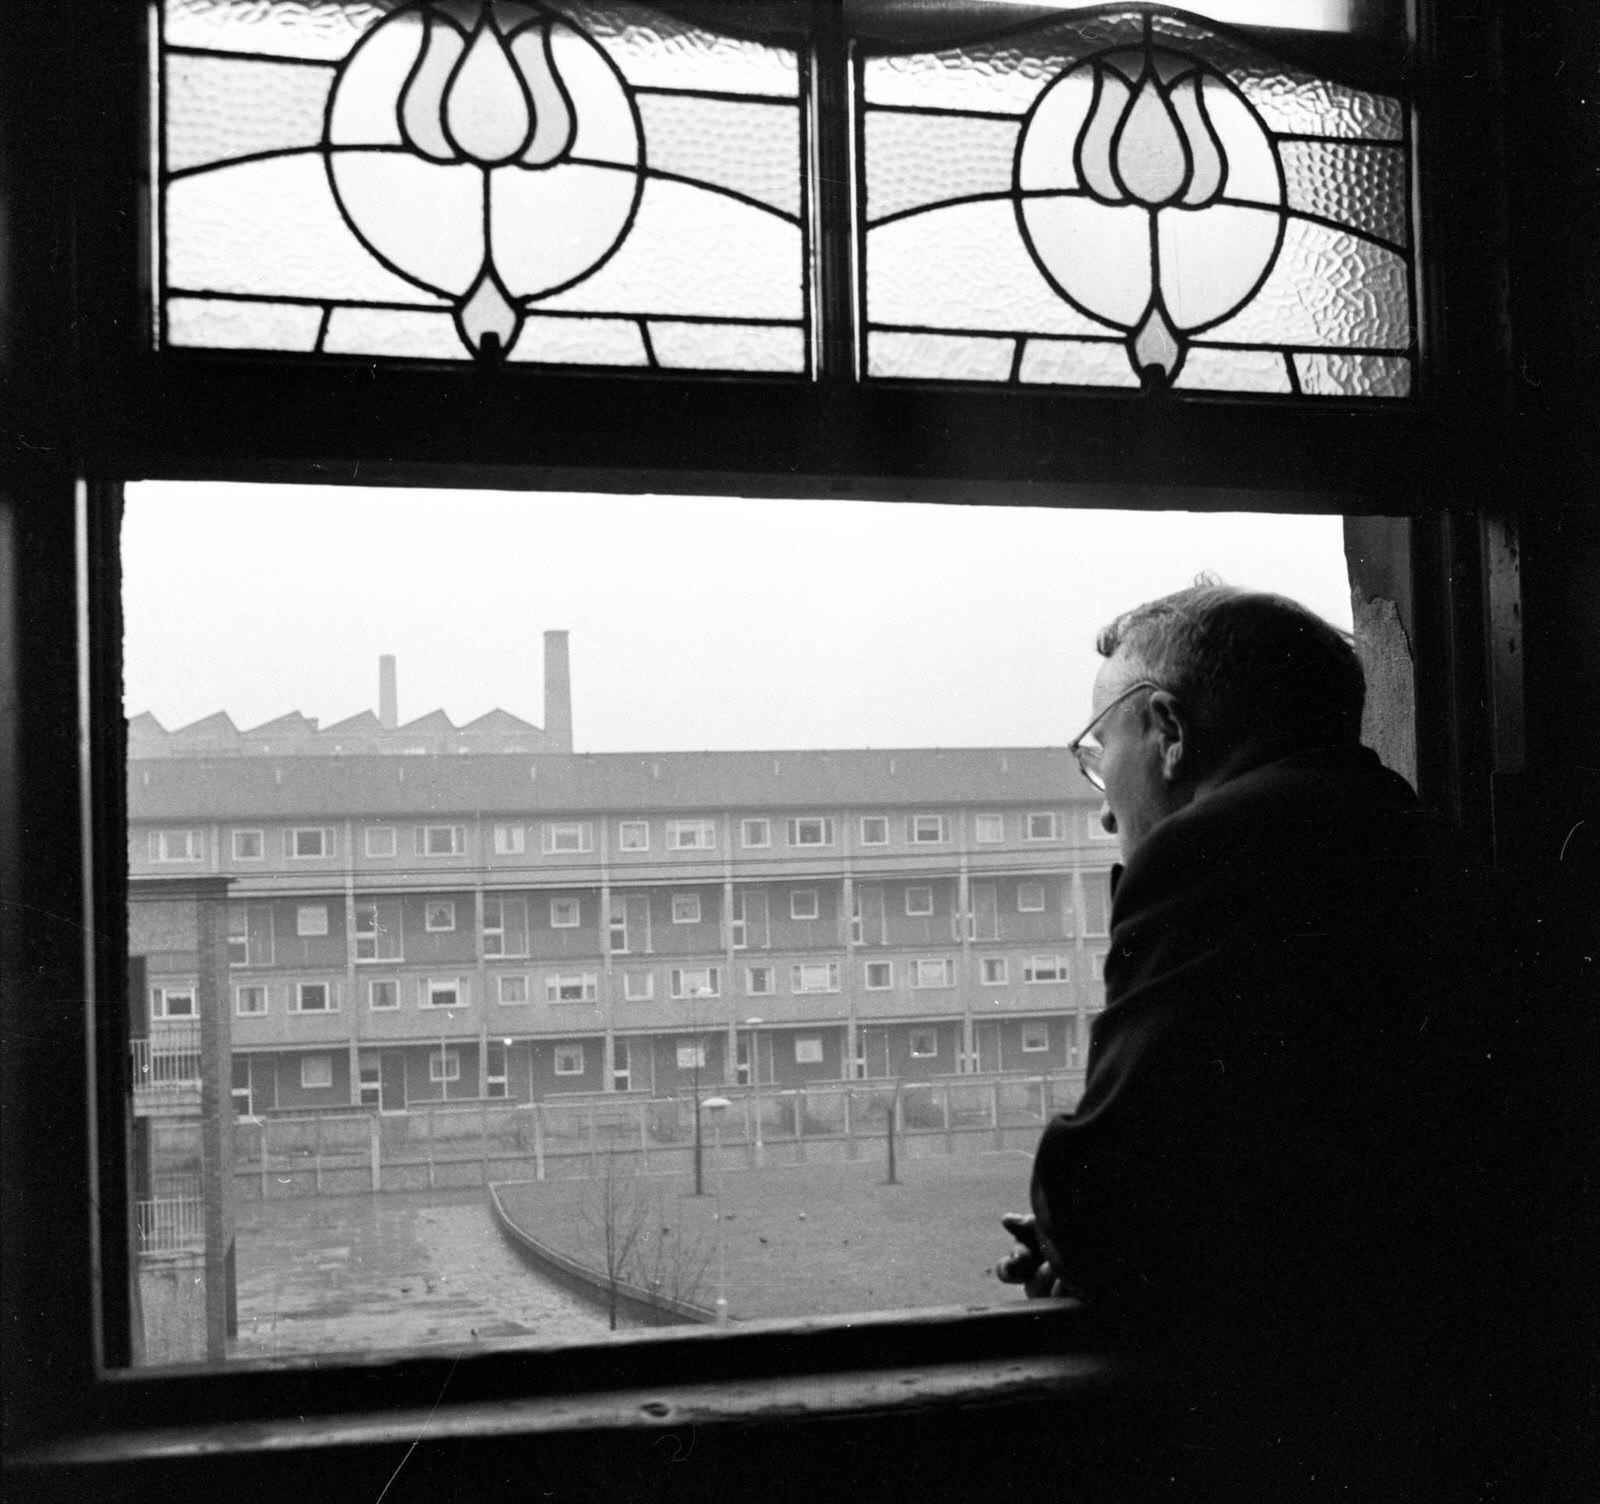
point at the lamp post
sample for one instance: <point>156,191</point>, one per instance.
<point>716,1106</point>
<point>752,1024</point>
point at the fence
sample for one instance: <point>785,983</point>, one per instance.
<point>434,1146</point>
<point>171,1224</point>
<point>168,1061</point>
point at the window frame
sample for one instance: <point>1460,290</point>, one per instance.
<point>691,835</point>
<point>553,833</point>
<point>642,827</point>
<point>260,853</point>
<point>298,992</point>
<point>747,824</point>
<point>799,824</point>
<point>805,905</point>
<point>881,822</point>
<point>161,1006</point>
<point>457,841</point>
<point>510,838</point>
<point>936,823</point>
<point>307,926</point>
<point>380,854</point>
<point>924,905</point>
<point>886,985</point>
<point>433,987</point>
<point>434,912</point>
<point>686,908</point>
<point>327,843</point>
<point>239,991</point>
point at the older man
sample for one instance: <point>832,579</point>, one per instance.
<point>1262,1173</point>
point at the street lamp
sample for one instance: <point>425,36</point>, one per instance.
<point>716,1106</point>
<point>752,1024</point>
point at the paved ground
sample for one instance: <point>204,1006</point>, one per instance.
<point>363,1272</point>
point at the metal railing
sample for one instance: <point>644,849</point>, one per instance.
<point>168,1060</point>
<point>171,1224</point>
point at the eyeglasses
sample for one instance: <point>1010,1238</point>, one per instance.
<point>1085,746</point>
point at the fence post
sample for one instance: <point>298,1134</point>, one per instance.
<point>644,1138</point>
<point>264,1176</point>
<point>316,1151</point>
<point>851,1148</point>
<point>538,1141</point>
<point>483,1136</point>
<point>377,1153</point>
<point>994,1115</point>
<point>800,1125</point>
<point>431,1121</point>
<point>594,1148</point>
<point>949,1124</point>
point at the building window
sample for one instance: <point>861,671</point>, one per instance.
<point>1035,1037</point>
<point>738,930</point>
<point>1030,898</point>
<point>513,989</point>
<point>378,931</point>
<point>570,836</point>
<point>174,845</point>
<point>633,835</point>
<point>811,831</point>
<point>993,971</point>
<point>494,1068</point>
<point>566,913</point>
<point>313,997</point>
<point>1046,969</point>
<point>755,832</point>
<point>316,1072</point>
<point>874,830</point>
<point>804,904</point>
<point>939,973</point>
<point>691,835</point>
<point>880,975</point>
<point>919,901</point>
<point>443,994</point>
<point>570,987</point>
<point>249,999</point>
<point>814,976</point>
<point>173,1002</point>
<point>505,926</point>
<point>307,841</point>
<point>380,840</point>
<point>510,840</point>
<point>444,1065</point>
<point>311,919</point>
<point>638,986</point>
<point>241,952</point>
<point>686,908</point>
<point>383,995</point>
<point>696,981</point>
<point>925,830</point>
<point>569,1059</point>
<point>439,914</point>
<point>1097,965</point>
<point>1041,825</point>
<point>249,845</point>
<point>758,981</point>
<point>1096,902</point>
<point>442,840</point>
<point>989,829</point>
<point>691,1054</point>
<point>924,1044</point>
<point>808,1049</point>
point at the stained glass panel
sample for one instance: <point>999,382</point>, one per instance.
<point>1131,197</point>
<point>535,180</point>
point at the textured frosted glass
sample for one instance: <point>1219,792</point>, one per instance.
<point>224,107</point>
<point>728,347</point>
<point>1069,362</point>
<point>657,52</point>
<point>1232,371</point>
<point>942,357</point>
<point>753,149</point>
<point>913,160</point>
<point>1336,375</point>
<point>1364,186</point>
<point>325,29</point>
<point>581,342</point>
<point>216,324</point>
<point>964,267</point>
<point>392,331</point>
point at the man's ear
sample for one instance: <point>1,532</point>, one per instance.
<point>1171,724</point>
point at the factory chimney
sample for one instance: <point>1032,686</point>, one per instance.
<point>388,694</point>
<point>557,692</point>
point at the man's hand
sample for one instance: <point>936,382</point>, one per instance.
<point>1030,1265</point>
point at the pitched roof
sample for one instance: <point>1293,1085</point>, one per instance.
<point>365,723</point>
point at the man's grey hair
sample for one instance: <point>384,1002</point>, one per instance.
<point>1246,665</point>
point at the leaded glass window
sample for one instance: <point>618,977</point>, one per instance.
<point>1130,197</point>
<point>585,185</point>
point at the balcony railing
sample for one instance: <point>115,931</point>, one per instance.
<point>168,1061</point>
<point>171,1224</point>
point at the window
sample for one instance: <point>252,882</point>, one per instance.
<point>311,919</point>
<point>989,829</point>
<point>755,833</point>
<point>249,935</point>
<point>566,913</point>
<point>173,1002</point>
<point>316,1072</point>
<point>686,908</point>
<point>513,989</point>
<point>814,831</point>
<point>570,987</point>
<point>817,976</point>
<point>447,993</point>
<point>992,971</point>
<point>249,845</point>
<point>306,841</point>
<point>808,1049</point>
<point>925,830</point>
<point>919,901</point>
<point>1041,825</point>
<point>505,926</point>
<point>495,1081</point>
<point>441,840</point>
<point>570,836</point>
<point>758,980</point>
<point>249,998</point>
<point>380,840</point>
<point>633,835</point>
<point>174,845</point>
<point>874,830</point>
<point>569,1059</point>
<point>444,1065</point>
<point>691,1054</point>
<point>691,835</point>
<point>880,975</point>
<point>313,997</point>
<point>510,840</point>
<point>439,914</point>
<point>378,931</point>
<point>1046,969</point>
<point>738,929</point>
<point>1035,1038</point>
<point>1097,965</point>
<point>1096,902</point>
<point>1030,898</point>
<point>933,973</point>
<point>638,986</point>
<point>804,904</point>
<point>383,995</point>
<point>924,1044</point>
<point>696,981</point>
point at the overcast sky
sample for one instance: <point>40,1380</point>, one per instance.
<point>696,622</point>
